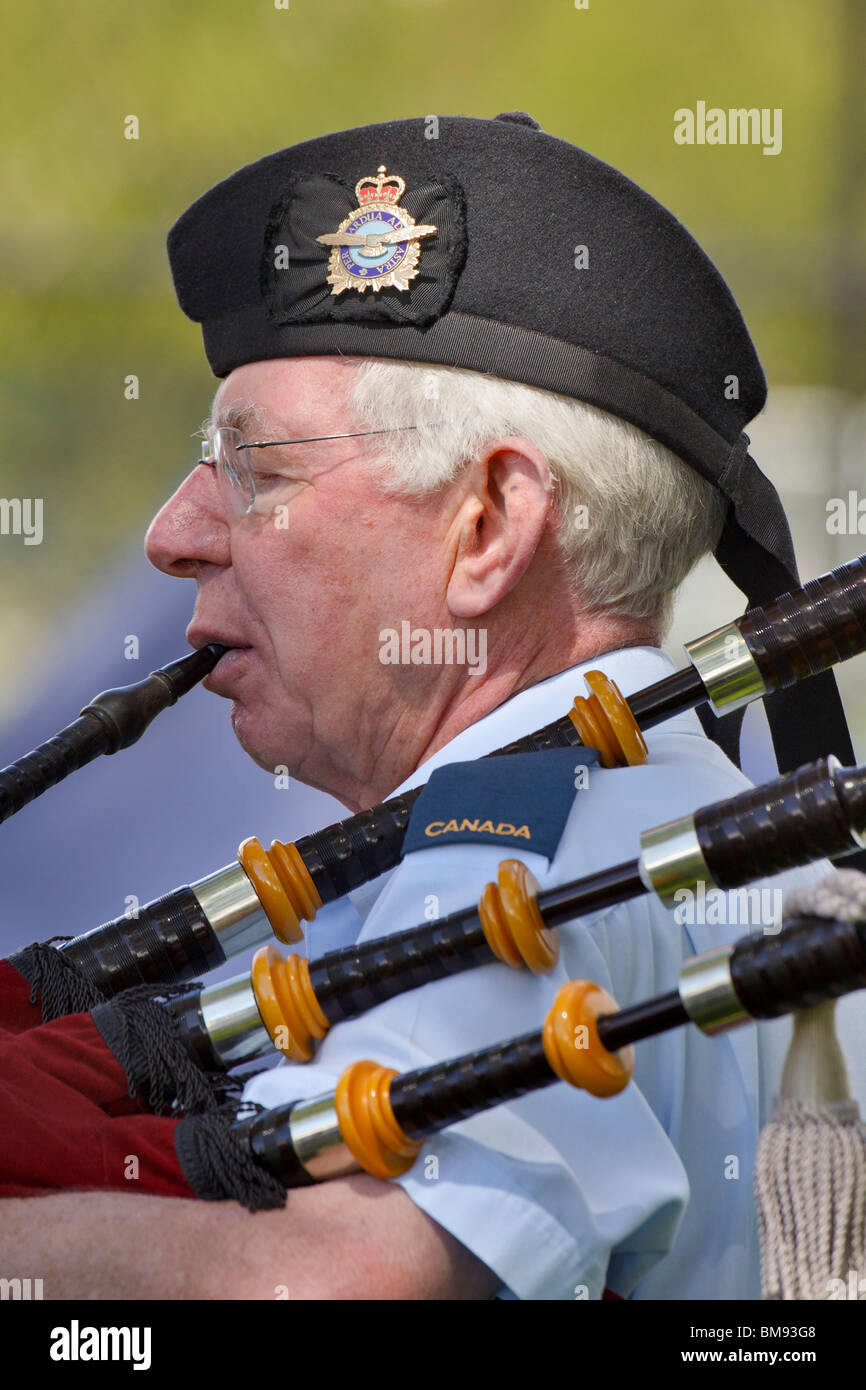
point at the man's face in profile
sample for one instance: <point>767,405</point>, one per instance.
<point>305,587</point>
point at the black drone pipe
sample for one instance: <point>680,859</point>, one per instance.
<point>114,720</point>
<point>197,927</point>
<point>291,1003</point>
<point>818,811</point>
<point>376,1120</point>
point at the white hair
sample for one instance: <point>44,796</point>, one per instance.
<point>632,518</point>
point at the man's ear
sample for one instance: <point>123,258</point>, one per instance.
<point>499,524</point>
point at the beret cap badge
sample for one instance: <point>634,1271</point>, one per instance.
<point>378,244</point>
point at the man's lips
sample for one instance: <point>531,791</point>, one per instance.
<point>199,637</point>
<point>220,680</point>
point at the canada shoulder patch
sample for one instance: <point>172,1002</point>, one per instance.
<point>518,799</point>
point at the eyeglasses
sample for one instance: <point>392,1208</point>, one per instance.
<point>243,489</point>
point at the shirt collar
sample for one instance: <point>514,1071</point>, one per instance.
<point>632,668</point>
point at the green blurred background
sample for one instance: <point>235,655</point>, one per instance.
<point>87,299</point>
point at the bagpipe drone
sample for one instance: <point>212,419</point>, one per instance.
<point>271,892</point>
<point>79,1105</point>
<point>120,1044</point>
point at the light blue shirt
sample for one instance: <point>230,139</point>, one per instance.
<point>559,1193</point>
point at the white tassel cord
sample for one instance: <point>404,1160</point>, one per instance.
<point>810,1189</point>
<point>810,1169</point>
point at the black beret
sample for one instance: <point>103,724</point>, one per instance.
<point>491,245</point>
<point>640,322</point>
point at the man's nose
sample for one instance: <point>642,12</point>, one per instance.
<point>191,529</point>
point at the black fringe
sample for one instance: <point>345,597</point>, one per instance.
<point>59,984</point>
<point>145,1039</point>
<point>219,1167</point>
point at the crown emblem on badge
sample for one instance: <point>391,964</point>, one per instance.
<point>379,243</point>
<point>380,189</point>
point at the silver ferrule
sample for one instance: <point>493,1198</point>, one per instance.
<point>229,902</point>
<point>727,668</point>
<point>837,773</point>
<point>672,860</point>
<point>708,994</point>
<point>231,1015</point>
<point>317,1141</point>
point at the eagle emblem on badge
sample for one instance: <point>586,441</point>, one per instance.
<point>378,244</point>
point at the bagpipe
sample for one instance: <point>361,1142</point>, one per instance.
<point>268,893</point>
<point>78,1092</point>
<point>116,1044</point>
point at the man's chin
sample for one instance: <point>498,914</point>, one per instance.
<point>251,739</point>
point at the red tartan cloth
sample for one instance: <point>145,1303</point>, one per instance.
<point>16,1014</point>
<point>67,1120</point>
<point>66,1117</point>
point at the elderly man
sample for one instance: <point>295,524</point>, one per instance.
<point>495,391</point>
